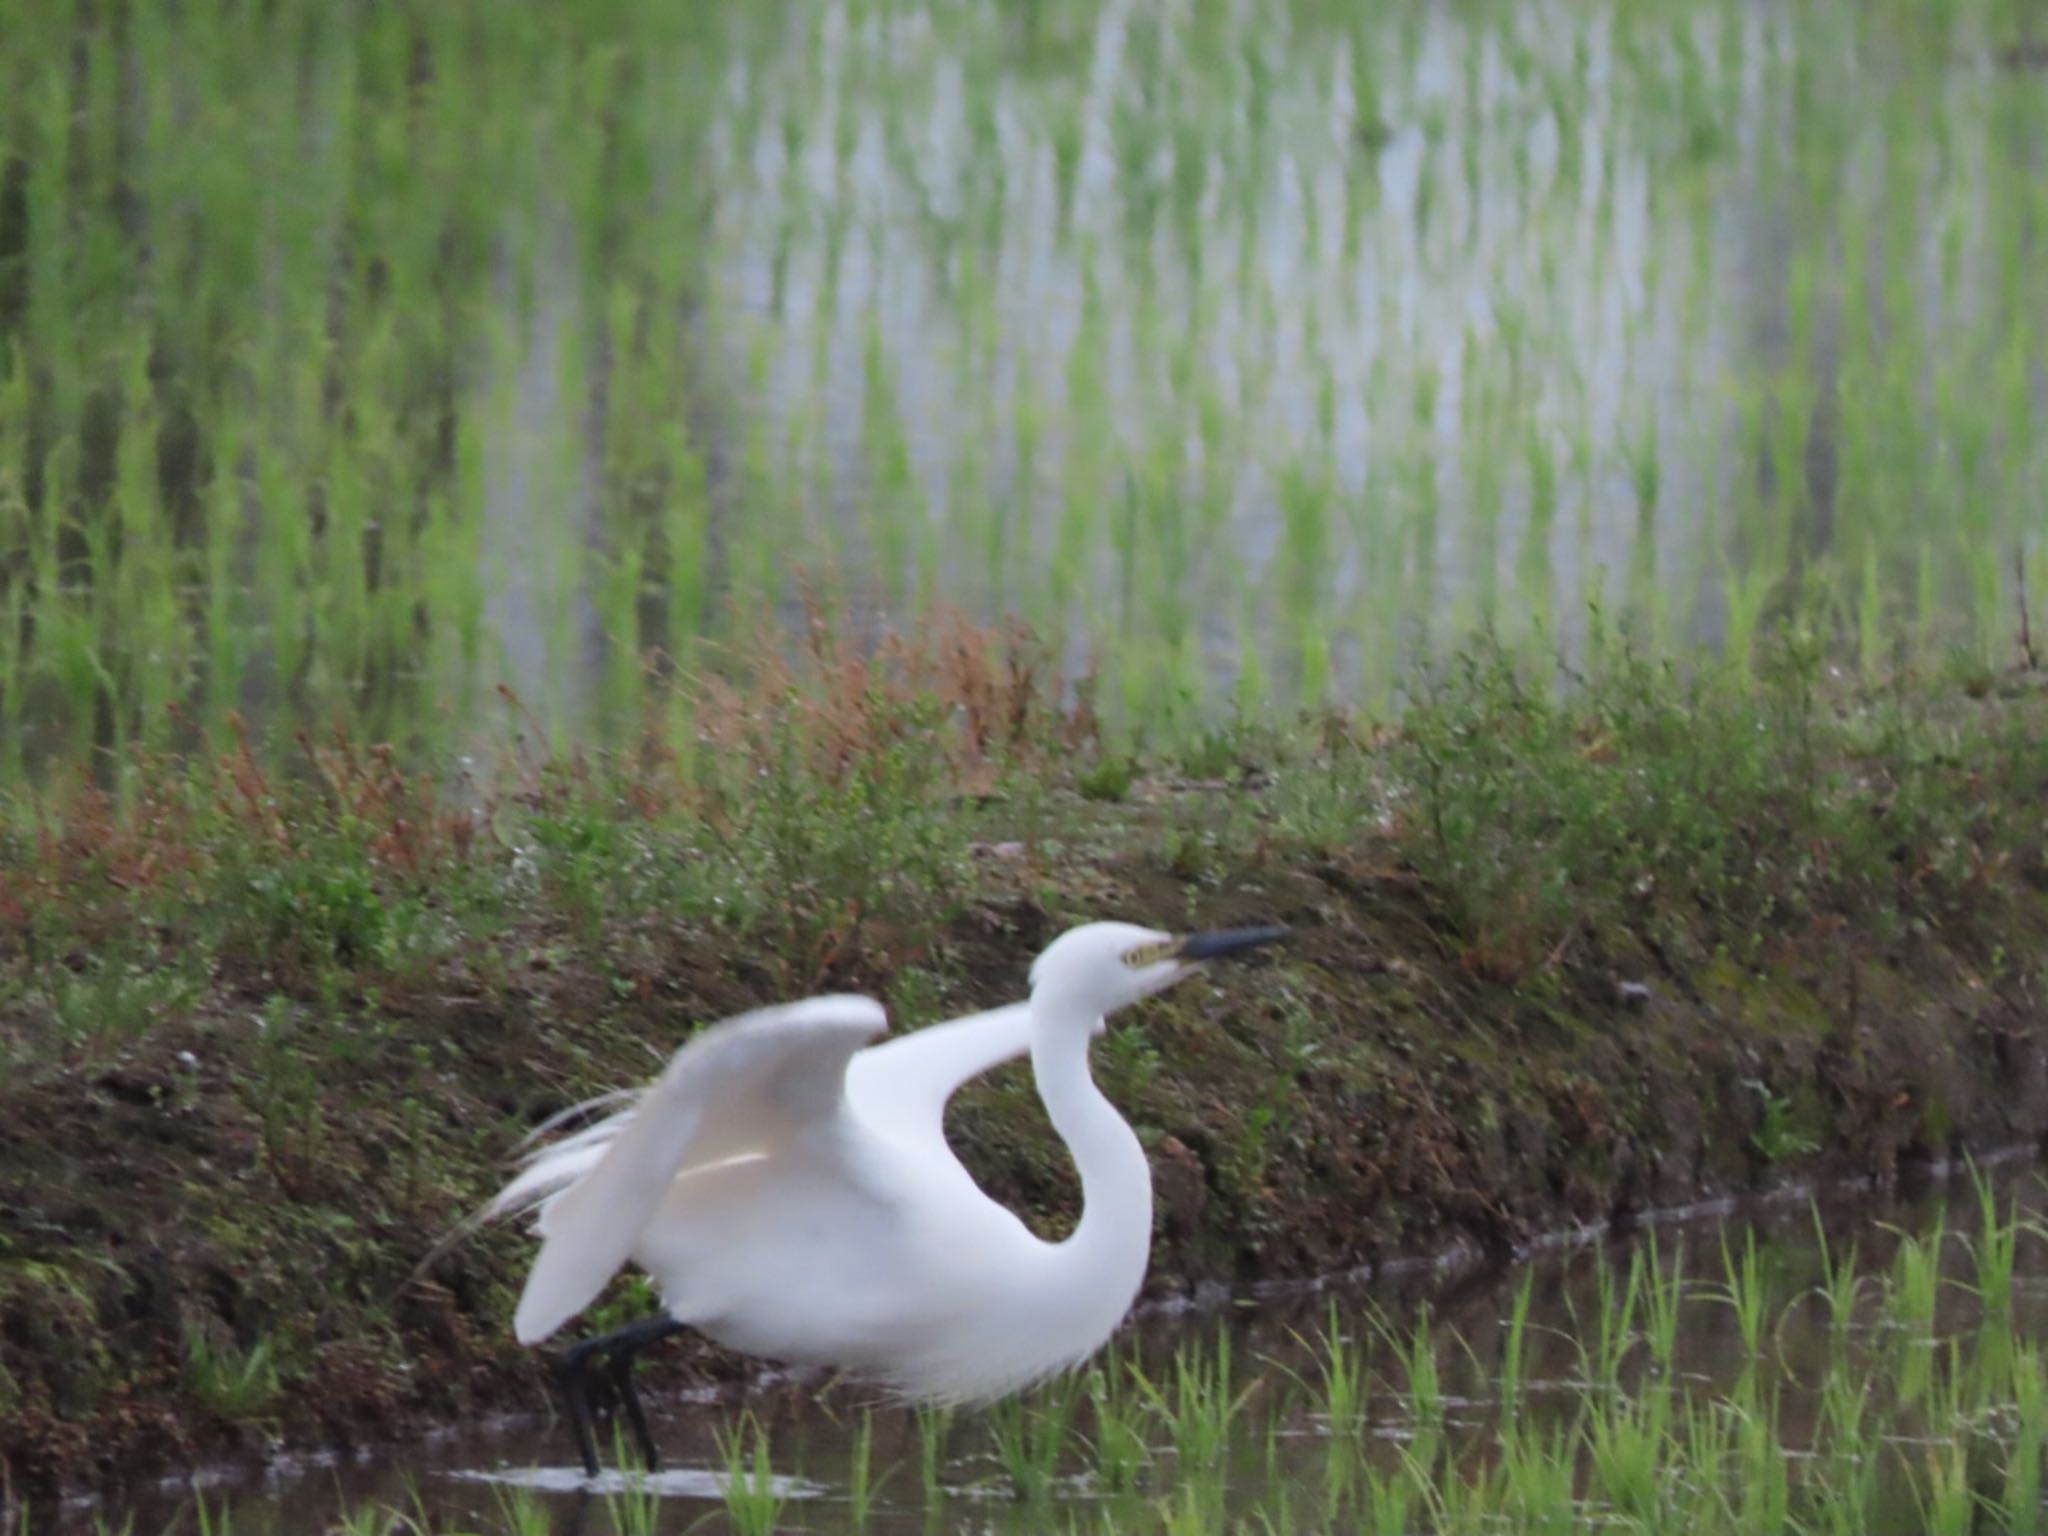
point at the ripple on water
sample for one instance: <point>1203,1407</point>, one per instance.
<point>669,1483</point>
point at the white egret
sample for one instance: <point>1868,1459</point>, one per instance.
<point>789,1189</point>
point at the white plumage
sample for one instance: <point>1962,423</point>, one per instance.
<point>788,1186</point>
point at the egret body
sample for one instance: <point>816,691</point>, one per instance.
<point>788,1187</point>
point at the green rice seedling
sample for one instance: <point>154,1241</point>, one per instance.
<point>1604,1343</point>
<point>934,1426</point>
<point>1663,1302</point>
<point>2020,1492</point>
<point>365,1520</point>
<point>1390,1498</point>
<point>1031,1434</point>
<point>1742,1290</point>
<point>1459,1503</point>
<point>1275,1512</point>
<point>1744,594</point>
<point>521,1511</point>
<point>1195,1507</point>
<point>1913,1290</point>
<point>1626,1441</point>
<point>753,1495</point>
<point>1196,1403</point>
<point>1539,1481</point>
<point>1190,1510</point>
<point>1912,1367</point>
<point>862,1484</point>
<point>1980,1386</point>
<point>1425,1402</point>
<point>1514,1355</point>
<point>1337,1389</point>
<point>1534,567</point>
<point>1994,1354</point>
<point>1843,1488</point>
<point>1121,1451</point>
<point>1702,1446</point>
<point>1946,1502</point>
<point>417,1519</point>
<point>1339,1395</point>
<point>1993,1249</point>
<point>1845,1405</point>
<point>633,1507</point>
<point>1761,1498</point>
<point>1840,1284</point>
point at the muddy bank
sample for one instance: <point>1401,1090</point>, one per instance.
<point>191,1267</point>
<point>266,1040</point>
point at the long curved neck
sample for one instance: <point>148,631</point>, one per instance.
<point>1108,1250</point>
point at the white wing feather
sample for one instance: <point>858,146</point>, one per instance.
<point>903,1084</point>
<point>738,1086</point>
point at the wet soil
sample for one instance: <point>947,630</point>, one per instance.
<point>206,1249</point>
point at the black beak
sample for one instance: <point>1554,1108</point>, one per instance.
<point>1228,941</point>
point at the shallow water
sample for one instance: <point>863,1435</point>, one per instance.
<point>1262,347</point>
<point>1278,1449</point>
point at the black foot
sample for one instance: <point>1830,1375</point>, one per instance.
<point>616,1352</point>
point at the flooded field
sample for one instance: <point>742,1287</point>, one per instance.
<point>355,360</point>
<point>1876,1371</point>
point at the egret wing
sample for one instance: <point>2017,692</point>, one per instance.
<point>741,1084</point>
<point>903,1084</point>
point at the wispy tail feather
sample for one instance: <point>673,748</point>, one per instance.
<point>545,1172</point>
<point>553,1169</point>
<point>562,1117</point>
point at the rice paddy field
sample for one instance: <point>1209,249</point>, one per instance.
<point>356,360</point>
<point>377,373</point>
<point>1777,1376</point>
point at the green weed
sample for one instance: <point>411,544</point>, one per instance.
<point>238,1384</point>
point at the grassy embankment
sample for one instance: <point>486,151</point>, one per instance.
<point>269,1029</point>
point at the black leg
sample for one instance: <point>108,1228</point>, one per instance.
<point>618,1349</point>
<point>572,1375</point>
<point>622,1356</point>
<point>621,1370</point>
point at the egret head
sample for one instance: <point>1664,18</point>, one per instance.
<point>1100,967</point>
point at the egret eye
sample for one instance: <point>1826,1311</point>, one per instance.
<point>1149,954</point>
